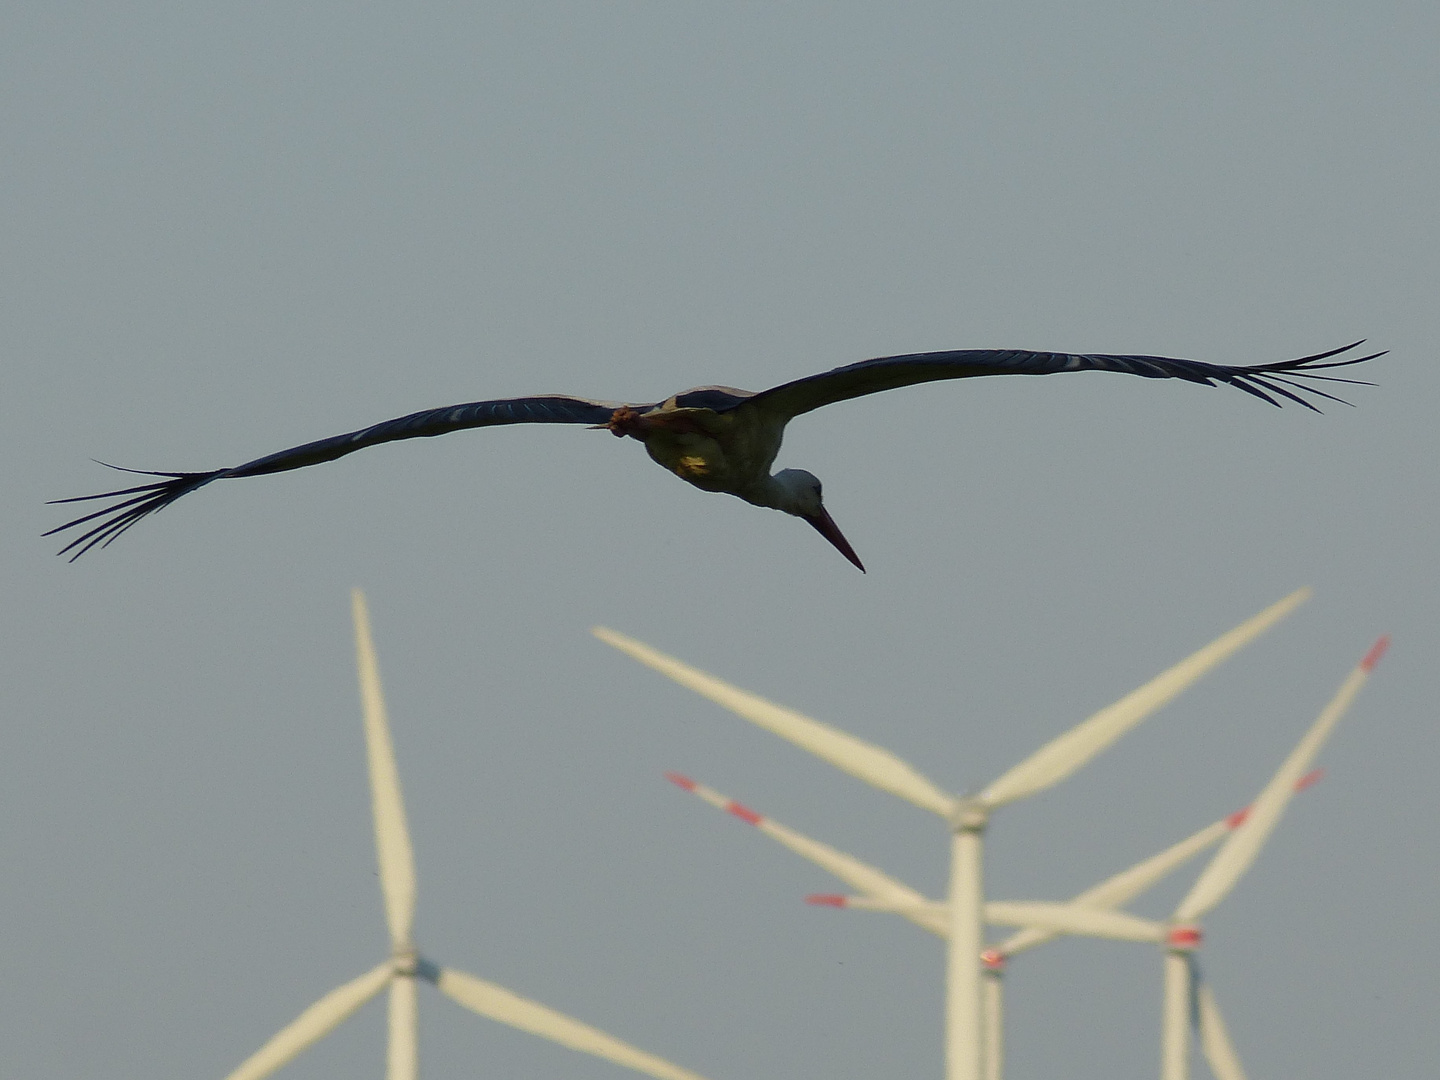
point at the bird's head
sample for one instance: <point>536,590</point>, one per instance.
<point>800,494</point>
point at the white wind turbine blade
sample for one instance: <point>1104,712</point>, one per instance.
<point>1074,919</point>
<point>1125,886</point>
<point>402,1055</point>
<point>1240,851</point>
<point>497,1003</point>
<point>859,758</point>
<point>1215,1038</point>
<point>1116,891</point>
<point>858,875</point>
<point>392,836</point>
<point>314,1023</point>
<point>1109,894</point>
<point>929,915</point>
<point>934,909</point>
<point>1062,756</point>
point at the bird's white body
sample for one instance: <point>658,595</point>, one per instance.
<point>729,451</point>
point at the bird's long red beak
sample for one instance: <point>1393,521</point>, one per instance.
<point>826,527</point>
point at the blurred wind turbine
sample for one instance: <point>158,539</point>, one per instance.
<point>967,815</point>
<point>404,965</point>
<point>1188,1000</point>
<point>881,892</point>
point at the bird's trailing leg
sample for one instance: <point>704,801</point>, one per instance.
<point>642,423</point>
<point>626,421</point>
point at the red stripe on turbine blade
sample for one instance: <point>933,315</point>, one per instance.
<point>744,813</point>
<point>1310,779</point>
<point>1376,651</point>
<point>681,781</point>
<point>825,900</point>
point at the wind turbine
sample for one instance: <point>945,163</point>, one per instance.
<point>881,892</point>
<point>967,815</point>
<point>1188,1000</point>
<point>405,965</point>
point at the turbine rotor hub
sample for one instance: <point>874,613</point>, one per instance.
<point>969,815</point>
<point>406,962</point>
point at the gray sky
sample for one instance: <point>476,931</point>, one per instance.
<point>229,230</point>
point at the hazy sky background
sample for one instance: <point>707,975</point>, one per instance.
<point>227,230</point>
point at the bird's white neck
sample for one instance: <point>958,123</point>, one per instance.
<point>792,491</point>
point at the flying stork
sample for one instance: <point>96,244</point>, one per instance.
<point>714,437</point>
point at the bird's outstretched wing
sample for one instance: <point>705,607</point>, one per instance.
<point>141,501</point>
<point>1269,382</point>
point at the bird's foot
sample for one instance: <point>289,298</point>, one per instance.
<point>625,421</point>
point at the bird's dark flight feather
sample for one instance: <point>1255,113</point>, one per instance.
<point>146,499</point>
<point>891,372</point>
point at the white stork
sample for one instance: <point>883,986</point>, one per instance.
<point>715,437</point>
